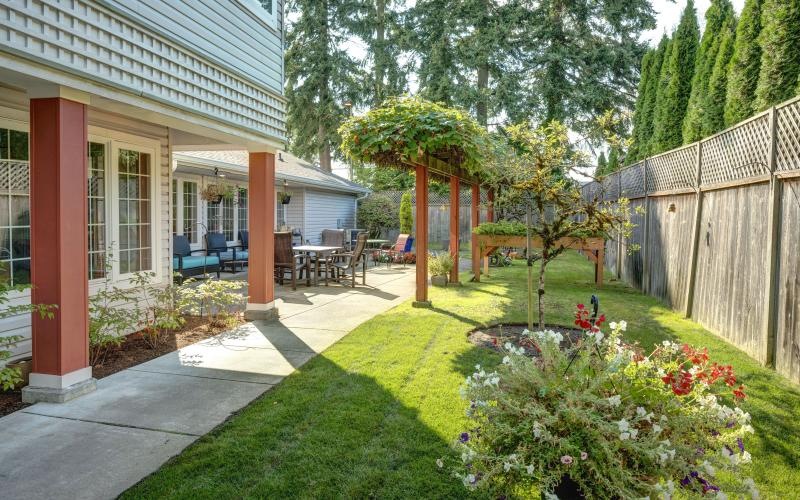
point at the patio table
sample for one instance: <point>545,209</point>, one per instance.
<point>319,251</point>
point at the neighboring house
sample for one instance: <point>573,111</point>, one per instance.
<point>129,83</point>
<point>319,200</point>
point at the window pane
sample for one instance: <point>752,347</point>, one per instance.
<point>18,145</point>
<point>242,209</point>
<point>20,211</point>
<point>15,248</point>
<point>97,210</point>
<point>190,227</point>
<point>134,208</point>
<point>22,272</point>
<point>21,242</point>
<point>174,206</point>
<point>4,143</point>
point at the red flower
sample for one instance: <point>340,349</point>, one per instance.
<point>600,320</point>
<point>581,307</point>
<point>739,393</point>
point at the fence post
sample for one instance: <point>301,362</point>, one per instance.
<point>644,248</point>
<point>698,208</point>
<point>773,242</point>
<point>619,232</point>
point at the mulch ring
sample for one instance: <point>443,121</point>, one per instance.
<point>495,337</point>
<point>135,351</point>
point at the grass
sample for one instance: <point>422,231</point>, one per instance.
<point>369,417</point>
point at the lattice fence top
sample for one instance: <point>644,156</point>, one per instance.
<point>591,190</point>
<point>465,196</point>
<point>632,181</point>
<point>610,186</point>
<point>673,170</point>
<point>739,153</point>
<point>14,177</point>
<point>788,139</point>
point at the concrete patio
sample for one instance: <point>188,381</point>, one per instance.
<point>100,444</point>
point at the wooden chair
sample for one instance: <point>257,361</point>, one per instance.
<point>400,249</point>
<point>344,266</point>
<point>329,238</point>
<point>287,261</point>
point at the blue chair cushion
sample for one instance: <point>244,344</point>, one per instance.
<point>195,261</point>
<point>226,256</point>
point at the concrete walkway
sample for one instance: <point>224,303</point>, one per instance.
<point>100,444</point>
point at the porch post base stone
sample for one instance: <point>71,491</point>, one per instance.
<point>261,312</point>
<point>47,388</point>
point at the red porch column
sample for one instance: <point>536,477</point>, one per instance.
<point>59,262</point>
<point>261,217</point>
<point>475,220</point>
<point>455,206</point>
<point>422,236</point>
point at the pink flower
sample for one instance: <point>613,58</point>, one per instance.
<point>566,460</point>
<point>584,455</point>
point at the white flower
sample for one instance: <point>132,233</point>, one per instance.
<point>623,325</point>
<point>439,463</point>
<point>634,433</point>
<point>656,429</point>
<point>614,400</point>
<point>708,468</point>
<point>623,436</point>
<point>550,496</point>
<point>469,480</point>
<point>721,496</point>
<point>623,425</point>
<point>746,457</point>
<point>529,470</point>
<point>598,337</point>
<point>506,360</point>
<point>537,430</point>
<point>506,467</point>
<point>640,411</point>
<point>748,429</point>
<point>613,325</point>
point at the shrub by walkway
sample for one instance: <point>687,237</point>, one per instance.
<point>371,415</point>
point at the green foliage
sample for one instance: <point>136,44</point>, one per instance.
<point>218,300</point>
<point>501,228</point>
<point>404,129</point>
<point>9,377</point>
<point>160,308</point>
<point>613,161</point>
<point>720,23</point>
<point>382,179</point>
<point>745,65</point>
<point>646,125</point>
<point>406,218</point>
<point>654,145</point>
<point>602,163</point>
<point>780,48</point>
<point>603,413</point>
<point>680,71</point>
<point>440,264</point>
<point>113,313</point>
<point>639,117</point>
<point>713,119</point>
<point>376,214</point>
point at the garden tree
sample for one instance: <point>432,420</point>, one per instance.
<point>643,128</point>
<point>744,66</point>
<point>406,218</point>
<point>382,179</point>
<point>680,67</point>
<point>713,119</point>
<point>780,48</point>
<point>376,214</point>
<point>320,76</point>
<point>431,28</point>
<point>720,23</point>
<point>602,164</point>
<point>641,96</point>
<point>653,145</point>
<point>613,160</point>
<point>535,170</point>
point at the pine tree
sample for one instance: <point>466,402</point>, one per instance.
<point>649,107</point>
<point>681,70</point>
<point>720,21</point>
<point>613,161</point>
<point>320,77</point>
<point>638,111</point>
<point>602,164</point>
<point>714,106</point>
<point>745,65</point>
<point>780,48</point>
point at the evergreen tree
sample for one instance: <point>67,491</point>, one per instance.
<point>680,71</point>
<point>650,101</point>
<point>714,115</point>
<point>638,111</point>
<point>320,77</point>
<point>406,217</point>
<point>602,164</point>
<point>432,31</point>
<point>613,160</point>
<point>780,48</point>
<point>720,21</point>
<point>745,65</point>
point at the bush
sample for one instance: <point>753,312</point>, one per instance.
<point>376,214</point>
<point>440,264</point>
<point>618,423</point>
<point>501,228</point>
<point>406,219</point>
<point>217,300</point>
<point>160,308</point>
<point>113,313</point>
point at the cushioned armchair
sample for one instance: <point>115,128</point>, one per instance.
<point>186,264</point>
<point>230,256</point>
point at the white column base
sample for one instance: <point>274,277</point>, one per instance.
<point>262,312</point>
<point>49,388</point>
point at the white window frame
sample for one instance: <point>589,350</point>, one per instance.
<point>20,126</point>
<point>199,203</point>
<point>255,8</point>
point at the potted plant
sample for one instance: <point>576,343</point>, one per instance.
<point>285,197</point>
<point>439,267</point>
<point>215,193</point>
<point>592,416</point>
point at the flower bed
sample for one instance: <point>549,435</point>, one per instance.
<point>618,422</point>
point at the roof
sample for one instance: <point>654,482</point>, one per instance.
<point>287,167</point>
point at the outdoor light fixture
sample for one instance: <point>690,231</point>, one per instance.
<point>218,173</point>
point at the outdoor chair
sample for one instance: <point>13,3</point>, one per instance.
<point>231,256</point>
<point>186,264</point>
<point>329,238</point>
<point>244,237</point>
<point>344,266</point>
<point>399,251</point>
<point>286,261</point>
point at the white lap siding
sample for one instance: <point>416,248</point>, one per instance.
<point>324,210</point>
<point>13,105</point>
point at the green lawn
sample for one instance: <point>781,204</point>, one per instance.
<point>369,417</point>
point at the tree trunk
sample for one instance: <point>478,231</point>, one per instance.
<point>542,266</point>
<point>380,51</point>
<point>482,108</point>
<point>325,104</point>
<point>324,148</point>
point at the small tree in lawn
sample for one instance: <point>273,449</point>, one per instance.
<point>406,218</point>
<point>536,169</point>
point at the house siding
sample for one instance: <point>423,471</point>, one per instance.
<point>324,210</point>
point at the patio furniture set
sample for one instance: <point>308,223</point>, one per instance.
<point>329,259</point>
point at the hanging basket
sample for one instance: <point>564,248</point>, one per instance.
<point>213,194</point>
<point>285,198</point>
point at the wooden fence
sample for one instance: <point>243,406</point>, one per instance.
<point>720,233</point>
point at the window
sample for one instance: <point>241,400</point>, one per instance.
<point>190,228</point>
<point>15,228</point>
<point>97,210</point>
<point>263,9</point>
<point>220,218</point>
<point>135,249</point>
<point>242,208</point>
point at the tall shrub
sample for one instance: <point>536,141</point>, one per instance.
<point>654,145</point>
<point>376,214</point>
<point>720,21</point>
<point>648,112</point>
<point>638,111</point>
<point>780,46</point>
<point>406,219</point>
<point>745,65</point>
<point>681,70</point>
<point>713,119</point>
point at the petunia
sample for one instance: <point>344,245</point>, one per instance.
<point>439,463</point>
<point>464,437</point>
<point>566,460</point>
<point>584,455</point>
